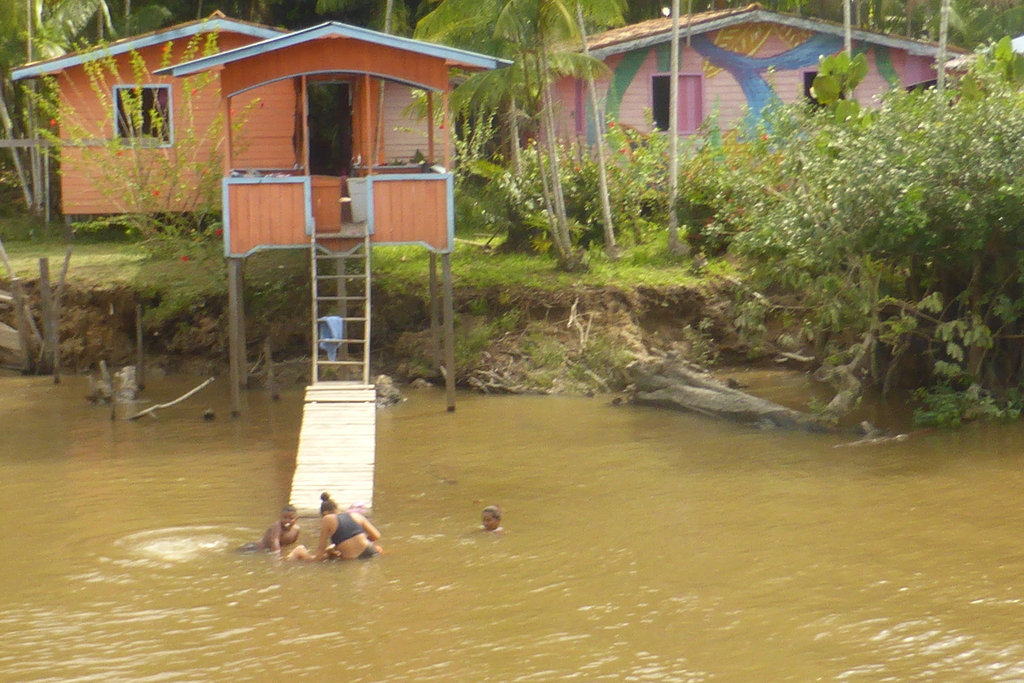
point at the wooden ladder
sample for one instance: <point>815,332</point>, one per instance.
<point>341,293</point>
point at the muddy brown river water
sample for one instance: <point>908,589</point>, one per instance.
<point>642,545</point>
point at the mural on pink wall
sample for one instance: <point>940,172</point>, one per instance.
<point>733,50</point>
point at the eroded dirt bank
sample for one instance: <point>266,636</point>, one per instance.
<point>573,340</point>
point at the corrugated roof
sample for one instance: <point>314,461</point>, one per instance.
<point>657,27</point>
<point>215,22</point>
<point>657,31</point>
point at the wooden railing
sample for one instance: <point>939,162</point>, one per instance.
<point>282,211</point>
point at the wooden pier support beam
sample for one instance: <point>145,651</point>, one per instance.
<point>449,330</point>
<point>236,334</point>
<point>140,352</point>
<point>435,315</point>
<point>48,355</point>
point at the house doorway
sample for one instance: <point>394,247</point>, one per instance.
<point>330,128</point>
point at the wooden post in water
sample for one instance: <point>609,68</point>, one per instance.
<point>140,356</point>
<point>435,315</point>
<point>449,330</point>
<point>58,307</point>
<point>268,358</point>
<point>47,356</point>
<point>235,346</point>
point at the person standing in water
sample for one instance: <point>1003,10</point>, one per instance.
<point>345,535</point>
<point>281,534</point>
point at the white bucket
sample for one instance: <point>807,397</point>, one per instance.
<point>357,193</point>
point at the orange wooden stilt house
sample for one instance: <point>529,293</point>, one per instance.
<point>379,204</point>
<point>339,218</point>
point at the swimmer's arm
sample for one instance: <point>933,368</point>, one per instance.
<point>368,528</point>
<point>274,538</point>
<point>327,528</point>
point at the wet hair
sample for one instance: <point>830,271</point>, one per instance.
<point>327,505</point>
<point>288,510</point>
<point>493,511</point>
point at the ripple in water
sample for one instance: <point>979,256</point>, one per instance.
<point>175,545</point>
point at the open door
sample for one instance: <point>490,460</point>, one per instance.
<point>330,128</point>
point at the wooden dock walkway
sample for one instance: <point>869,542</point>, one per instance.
<point>337,446</point>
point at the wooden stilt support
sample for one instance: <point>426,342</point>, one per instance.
<point>58,307</point>
<point>235,345</point>
<point>435,315</point>
<point>268,358</point>
<point>243,367</point>
<point>46,355</point>
<point>140,355</point>
<point>449,330</point>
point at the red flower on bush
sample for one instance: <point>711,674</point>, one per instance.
<point>764,136</point>
<point>184,258</point>
<point>120,154</point>
<point>156,193</point>
<point>218,232</point>
<point>53,122</point>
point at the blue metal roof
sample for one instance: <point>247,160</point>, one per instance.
<point>337,30</point>
<point>160,37</point>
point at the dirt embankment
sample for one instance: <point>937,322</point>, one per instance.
<point>574,340</point>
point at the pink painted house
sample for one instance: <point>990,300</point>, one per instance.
<point>734,62</point>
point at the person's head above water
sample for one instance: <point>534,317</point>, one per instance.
<point>327,506</point>
<point>491,518</point>
<point>289,515</point>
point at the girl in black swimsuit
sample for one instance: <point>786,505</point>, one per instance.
<point>346,535</point>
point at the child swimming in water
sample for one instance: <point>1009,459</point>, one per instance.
<point>490,519</point>
<point>281,534</point>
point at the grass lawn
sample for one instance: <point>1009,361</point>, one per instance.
<point>117,264</point>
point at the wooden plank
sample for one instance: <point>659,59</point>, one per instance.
<point>336,446</point>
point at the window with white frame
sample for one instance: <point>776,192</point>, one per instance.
<point>691,102</point>
<point>143,113</point>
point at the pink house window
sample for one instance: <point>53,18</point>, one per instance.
<point>691,101</point>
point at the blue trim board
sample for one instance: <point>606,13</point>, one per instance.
<point>387,177</point>
<point>225,215</point>
<point>334,29</point>
<point>147,40</point>
<point>307,198</point>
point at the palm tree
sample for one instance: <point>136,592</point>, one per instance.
<point>534,33</point>
<point>611,248</point>
<point>940,58</point>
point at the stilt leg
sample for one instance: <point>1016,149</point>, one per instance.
<point>235,346</point>
<point>449,330</point>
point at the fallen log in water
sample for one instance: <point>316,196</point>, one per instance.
<point>670,383</point>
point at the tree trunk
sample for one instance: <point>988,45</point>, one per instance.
<point>5,118</point>
<point>514,149</point>
<point>940,58</point>
<point>611,248</point>
<point>561,236</point>
<point>671,384</point>
<point>674,245</point>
